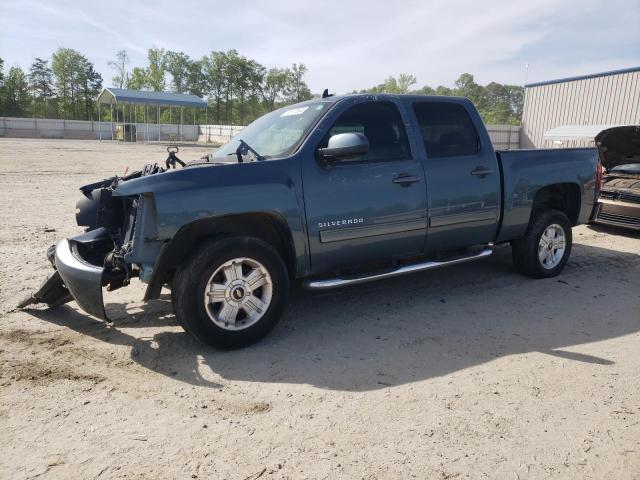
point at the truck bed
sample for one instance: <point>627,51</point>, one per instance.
<point>526,172</point>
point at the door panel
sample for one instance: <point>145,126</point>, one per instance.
<point>369,210</point>
<point>463,208</point>
<point>462,176</point>
<point>356,213</point>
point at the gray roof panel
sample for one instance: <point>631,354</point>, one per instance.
<point>583,77</point>
<point>144,97</point>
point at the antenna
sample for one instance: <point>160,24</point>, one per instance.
<point>326,93</point>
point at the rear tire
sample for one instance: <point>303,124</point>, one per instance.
<point>544,250</point>
<point>231,291</point>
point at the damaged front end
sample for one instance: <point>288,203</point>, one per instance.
<point>86,263</point>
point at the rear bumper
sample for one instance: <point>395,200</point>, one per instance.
<point>83,280</point>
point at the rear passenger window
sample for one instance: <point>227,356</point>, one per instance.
<point>381,123</point>
<point>447,129</point>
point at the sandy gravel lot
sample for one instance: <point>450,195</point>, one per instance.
<point>469,372</point>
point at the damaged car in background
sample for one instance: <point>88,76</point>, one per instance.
<point>619,197</point>
<point>335,191</point>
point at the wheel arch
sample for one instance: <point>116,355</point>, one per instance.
<point>565,197</point>
<point>270,227</point>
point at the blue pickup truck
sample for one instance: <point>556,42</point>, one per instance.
<point>332,192</point>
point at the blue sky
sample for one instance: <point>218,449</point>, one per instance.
<point>346,45</point>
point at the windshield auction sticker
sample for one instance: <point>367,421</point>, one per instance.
<point>294,111</point>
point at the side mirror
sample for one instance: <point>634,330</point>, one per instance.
<point>345,146</point>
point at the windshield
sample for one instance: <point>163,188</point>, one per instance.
<point>276,134</point>
<point>632,168</point>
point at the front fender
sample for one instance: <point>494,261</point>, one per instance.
<point>182,197</point>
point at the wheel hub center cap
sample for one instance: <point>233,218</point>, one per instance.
<point>238,293</point>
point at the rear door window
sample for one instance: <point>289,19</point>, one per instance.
<point>447,129</point>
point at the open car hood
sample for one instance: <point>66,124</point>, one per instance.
<point>619,146</point>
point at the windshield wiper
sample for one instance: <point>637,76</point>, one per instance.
<point>245,148</point>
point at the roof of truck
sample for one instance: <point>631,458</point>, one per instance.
<point>382,96</point>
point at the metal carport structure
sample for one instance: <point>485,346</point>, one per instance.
<point>576,133</point>
<point>114,96</point>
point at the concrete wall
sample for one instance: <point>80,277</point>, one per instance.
<point>78,129</point>
<point>218,133</point>
<point>503,137</point>
<point>610,98</point>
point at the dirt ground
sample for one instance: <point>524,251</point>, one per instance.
<point>468,372</point>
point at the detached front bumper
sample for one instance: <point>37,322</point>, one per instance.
<point>83,280</point>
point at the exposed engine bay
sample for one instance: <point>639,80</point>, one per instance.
<point>109,222</point>
<point>619,197</point>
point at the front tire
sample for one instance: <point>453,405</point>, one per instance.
<point>544,250</point>
<point>231,291</point>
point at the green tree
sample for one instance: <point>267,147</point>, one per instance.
<point>497,109</point>
<point>467,87</point>
<point>214,70</point>
<point>257,75</point>
<point>67,65</point>
<point>405,82</point>
<point>232,74</point>
<point>16,93</point>
<point>90,83</point>
<point>41,83</point>
<point>394,85</point>
<point>444,91</point>
<point>197,78</point>
<point>177,64</point>
<point>516,100</point>
<point>156,69</point>
<point>138,79</point>
<point>243,85</point>
<point>1,87</point>
<point>275,86</point>
<point>121,66</point>
<point>496,103</point>
<point>426,90</point>
<point>297,89</point>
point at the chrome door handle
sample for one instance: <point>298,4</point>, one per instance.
<point>406,180</point>
<point>481,171</point>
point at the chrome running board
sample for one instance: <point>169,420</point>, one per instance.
<point>416,267</point>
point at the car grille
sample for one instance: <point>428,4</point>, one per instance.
<point>620,196</point>
<point>633,222</point>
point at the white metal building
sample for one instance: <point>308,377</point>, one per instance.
<point>555,110</point>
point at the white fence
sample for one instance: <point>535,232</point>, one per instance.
<point>217,133</point>
<point>504,137</point>
<point>79,129</point>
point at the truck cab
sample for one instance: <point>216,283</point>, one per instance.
<point>429,182</point>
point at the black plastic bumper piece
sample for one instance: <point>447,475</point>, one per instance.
<point>83,280</point>
<point>52,292</point>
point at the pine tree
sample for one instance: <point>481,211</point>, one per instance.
<point>16,93</point>
<point>41,83</point>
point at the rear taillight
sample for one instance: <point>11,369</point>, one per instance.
<point>599,172</point>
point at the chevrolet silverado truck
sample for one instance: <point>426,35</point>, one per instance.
<point>332,192</point>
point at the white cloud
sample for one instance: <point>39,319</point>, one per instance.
<point>346,45</point>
